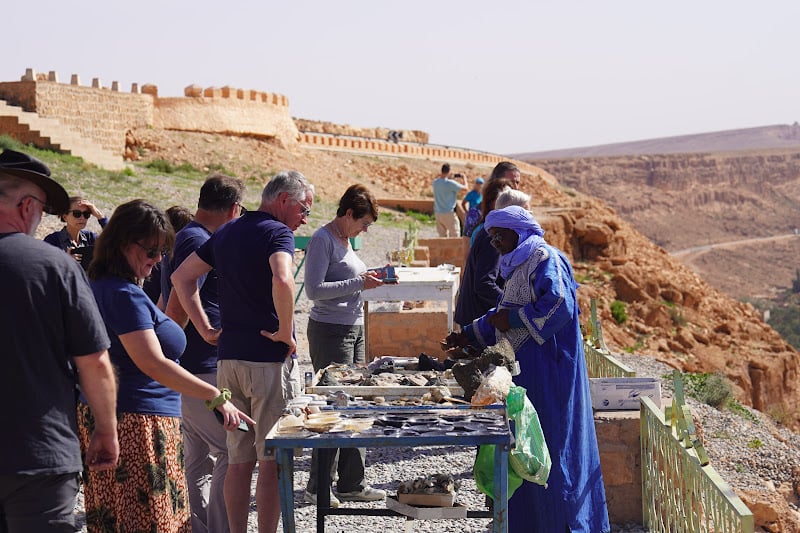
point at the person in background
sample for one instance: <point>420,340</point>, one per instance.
<point>178,217</point>
<point>538,315</point>
<point>509,197</point>
<point>473,197</point>
<point>445,195</point>
<point>147,491</point>
<point>481,285</point>
<point>503,169</point>
<point>51,327</point>
<point>206,453</point>
<point>334,280</point>
<point>256,345</point>
<point>74,234</point>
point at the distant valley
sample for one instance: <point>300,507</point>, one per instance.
<point>700,190</point>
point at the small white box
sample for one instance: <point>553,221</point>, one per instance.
<point>623,393</point>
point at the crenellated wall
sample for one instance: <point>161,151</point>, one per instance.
<point>349,144</point>
<point>229,110</point>
<point>104,114</point>
<point>96,113</point>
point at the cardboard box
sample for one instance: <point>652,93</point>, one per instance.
<point>623,393</point>
<point>428,500</point>
<point>426,513</point>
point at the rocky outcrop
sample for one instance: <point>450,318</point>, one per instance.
<point>670,310</point>
<point>316,126</point>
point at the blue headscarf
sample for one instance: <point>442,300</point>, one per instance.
<point>530,235</point>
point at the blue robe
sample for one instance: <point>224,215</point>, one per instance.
<point>545,334</point>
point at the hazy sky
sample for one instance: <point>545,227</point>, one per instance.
<point>502,76</point>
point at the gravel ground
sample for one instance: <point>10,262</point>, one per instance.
<point>748,453</point>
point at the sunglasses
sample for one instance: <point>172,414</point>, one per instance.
<point>77,214</point>
<point>153,252</point>
<point>242,209</point>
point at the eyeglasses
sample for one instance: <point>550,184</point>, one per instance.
<point>306,210</point>
<point>242,209</point>
<point>153,252</point>
<point>495,238</point>
<point>45,206</point>
<point>77,214</point>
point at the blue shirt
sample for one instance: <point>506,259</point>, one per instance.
<point>473,198</point>
<point>199,357</point>
<point>126,308</point>
<point>445,192</point>
<point>240,252</point>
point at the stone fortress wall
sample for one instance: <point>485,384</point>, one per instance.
<point>104,115</point>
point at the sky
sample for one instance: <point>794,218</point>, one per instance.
<point>501,76</point>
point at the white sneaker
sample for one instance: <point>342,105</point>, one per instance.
<point>311,497</point>
<point>367,494</point>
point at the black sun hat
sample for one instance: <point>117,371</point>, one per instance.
<point>19,165</point>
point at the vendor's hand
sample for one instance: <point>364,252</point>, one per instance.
<point>232,416</point>
<point>500,320</point>
<point>371,280</point>
<point>210,335</point>
<point>455,340</point>
<point>284,337</point>
<point>76,257</point>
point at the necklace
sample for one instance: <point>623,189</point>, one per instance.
<point>337,230</point>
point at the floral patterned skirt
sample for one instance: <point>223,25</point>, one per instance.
<point>147,490</point>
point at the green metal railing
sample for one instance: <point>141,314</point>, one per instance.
<point>681,491</point>
<point>599,361</point>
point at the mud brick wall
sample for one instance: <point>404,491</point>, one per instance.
<point>406,333</point>
<point>229,110</point>
<point>101,115</point>
<point>444,250</point>
<point>420,205</point>
<point>385,147</point>
<point>618,437</point>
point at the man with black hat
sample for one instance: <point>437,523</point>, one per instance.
<point>51,329</point>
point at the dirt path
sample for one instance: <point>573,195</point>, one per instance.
<point>690,254</point>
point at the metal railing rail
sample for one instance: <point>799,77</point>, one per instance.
<point>599,361</point>
<point>681,491</point>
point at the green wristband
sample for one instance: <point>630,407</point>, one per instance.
<point>224,396</point>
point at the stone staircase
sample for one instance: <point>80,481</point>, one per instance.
<point>49,133</point>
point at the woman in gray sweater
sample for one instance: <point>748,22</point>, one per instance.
<point>334,279</point>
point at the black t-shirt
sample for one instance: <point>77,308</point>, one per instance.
<point>48,315</point>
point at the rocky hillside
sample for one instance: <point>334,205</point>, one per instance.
<point>685,201</point>
<point>671,311</point>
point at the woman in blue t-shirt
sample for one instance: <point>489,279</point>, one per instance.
<point>147,491</point>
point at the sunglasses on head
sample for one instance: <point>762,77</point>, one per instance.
<point>77,213</point>
<point>153,252</point>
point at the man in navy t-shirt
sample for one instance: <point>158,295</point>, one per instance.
<point>256,347</point>
<point>205,451</point>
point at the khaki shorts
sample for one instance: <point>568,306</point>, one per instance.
<point>261,390</point>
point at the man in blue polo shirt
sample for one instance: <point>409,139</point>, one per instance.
<point>256,347</point>
<point>445,196</point>
<point>205,451</point>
